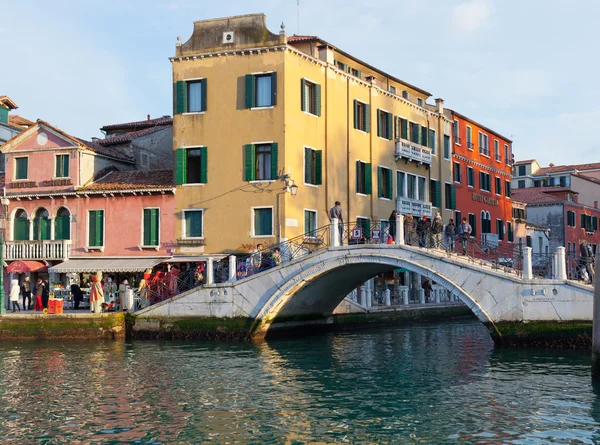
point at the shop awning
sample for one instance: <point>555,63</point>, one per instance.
<point>130,264</point>
<point>26,266</point>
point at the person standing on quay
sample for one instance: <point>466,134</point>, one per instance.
<point>26,292</point>
<point>15,290</point>
<point>39,291</point>
<point>450,235</point>
<point>464,231</point>
<point>336,212</point>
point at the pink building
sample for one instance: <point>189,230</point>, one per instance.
<point>78,207</point>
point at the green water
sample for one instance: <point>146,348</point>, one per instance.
<point>431,383</point>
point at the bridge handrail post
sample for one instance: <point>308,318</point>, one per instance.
<point>405,296</point>
<point>388,297</point>
<point>561,264</point>
<point>334,233</point>
<point>210,271</point>
<point>527,266</point>
<point>399,241</point>
<point>232,269</point>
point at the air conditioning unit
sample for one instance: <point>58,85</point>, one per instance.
<point>228,37</point>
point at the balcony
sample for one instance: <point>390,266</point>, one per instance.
<point>484,151</point>
<point>411,151</point>
<point>457,140</point>
<point>413,206</point>
<point>37,250</point>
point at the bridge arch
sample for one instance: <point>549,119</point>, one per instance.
<point>301,291</point>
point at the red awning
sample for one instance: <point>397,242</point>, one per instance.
<point>26,266</point>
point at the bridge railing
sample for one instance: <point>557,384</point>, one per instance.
<point>577,267</point>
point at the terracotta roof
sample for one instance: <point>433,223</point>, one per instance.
<point>534,195</point>
<point>567,168</point>
<point>18,121</point>
<point>133,179</point>
<point>528,161</point>
<point>114,152</point>
<point>138,125</point>
<point>8,102</point>
<point>296,38</point>
<point>128,137</point>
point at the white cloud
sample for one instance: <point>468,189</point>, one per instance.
<point>472,15</point>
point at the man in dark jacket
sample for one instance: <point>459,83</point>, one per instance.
<point>26,292</point>
<point>77,295</point>
<point>423,230</point>
<point>450,235</point>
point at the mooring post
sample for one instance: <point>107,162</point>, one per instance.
<point>596,328</point>
<point>210,271</point>
<point>334,233</point>
<point>527,267</point>
<point>232,269</point>
<point>399,241</point>
<point>363,295</point>
<point>388,297</point>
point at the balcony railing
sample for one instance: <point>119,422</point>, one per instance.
<point>412,152</point>
<point>413,206</point>
<point>457,140</point>
<point>484,151</point>
<point>470,145</point>
<point>37,250</point>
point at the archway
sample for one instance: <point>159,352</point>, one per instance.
<point>41,224</point>
<point>21,226</point>
<point>62,224</point>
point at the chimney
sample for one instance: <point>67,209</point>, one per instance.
<point>148,117</point>
<point>371,79</point>
<point>439,105</point>
<point>595,204</point>
<point>325,53</point>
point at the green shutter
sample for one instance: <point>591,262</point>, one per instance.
<point>147,218</point>
<point>250,160</point>
<point>154,225</point>
<point>318,167</point>
<point>358,177</point>
<point>414,133</point>
<point>367,118</point>
<point>203,165</point>
<point>388,117</point>
<point>431,140</point>
<point>62,226</point>
<point>100,225</point>
<point>65,166</point>
<point>453,196</point>
<point>379,123</point>
<point>380,182</point>
<point>356,123</point>
<point>438,193</point>
<point>180,97</point>
<point>582,218</point>
<point>36,229</point>
<point>96,228</point>
<point>303,94</point>
<point>21,229</point>
<point>274,88</point>
<point>180,166</point>
<point>389,186</point>
<point>308,173</point>
<point>250,91</point>
<point>595,223</point>
<point>274,163</point>
<point>318,100</point>
<point>203,88</point>
<point>423,136</point>
<point>368,179</point>
<point>403,128</point>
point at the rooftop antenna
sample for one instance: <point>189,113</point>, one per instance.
<point>298,5</point>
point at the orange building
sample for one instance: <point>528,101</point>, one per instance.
<point>481,171</point>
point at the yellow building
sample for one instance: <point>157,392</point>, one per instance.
<point>254,111</point>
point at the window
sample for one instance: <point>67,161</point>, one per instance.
<point>310,222</point>
<point>421,189</point>
<point>528,241</point>
<point>384,124</point>
<point>484,182</point>
<point>310,97</point>
<point>446,146</point>
<point>365,225</point>
<point>193,223</point>
<point>96,228</point>
<point>403,128</point>
<point>392,89</point>
<point>486,222</point>
<point>509,232</point>
<point>450,195</point>
<point>400,185</point>
<point>473,224</point>
<point>363,178</point>
<point>570,218</point>
<point>340,65</point>
<point>432,141</point>
<point>469,138</point>
<point>522,170</point>
<point>483,144</point>
<point>313,165</point>
<point>506,153</point>
<point>151,227</point>
<point>470,177</point>
<point>498,186</point>
<point>594,223</point>
<point>362,116</point>
<point>521,184</point>
<point>62,224</point>
<point>263,221</point>
<point>261,162</point>
<point>191,165</point>
<point>356,73</point>
<point>457,172</point>
<point>189,96</point>
<point>457,217</point>
<point>414,132</point>
<point>261,90</point>
<point>405,94</point>
<point>411,186</point>
<point>41,225</point>
<point>419,102</point>
<point>500,229</point>
<point>384,183</point>
<point>21,226</point>
<point>62,166</point>
<point>21,167</point>
<point>586,223</point>
<point>435,193</point>
<point>507,188</point>
<point>424,138</point>
<point>456,133</point>
<point>497,150</point>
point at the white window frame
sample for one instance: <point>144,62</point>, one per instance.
<point>359,129</point>
<point>252,230</point>
<point>364,194</point>
<point>459,170</point>
<point>15,167</point>
<point>469,185</point>
<point>194,79</point>
<point>388,112</point>
<point>456,134</point>
<point>87,247</point>
<point>316,212</point>
<point>403,184</point>
<point>495,188</point>
<point>183,226</point>
<point>383,198</point>
<point>469,138</point>
<point>142,245</point>
<point>306,96</point>
<point>259,181</point>
<point>506,154</point>
<point>263,73</point>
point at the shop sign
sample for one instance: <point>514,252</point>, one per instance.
<point>357,233</point>
<point>485,199</point>
<point>55,182</point>
<point>376,234</point>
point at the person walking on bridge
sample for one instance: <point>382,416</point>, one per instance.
<point>464,232</point>
<point>450,235</point>
<point>336,212</point>
<point>587,259</point>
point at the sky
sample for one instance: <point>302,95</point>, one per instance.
<point>526,68</point>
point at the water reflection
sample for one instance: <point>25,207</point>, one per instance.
<point>430,383</point>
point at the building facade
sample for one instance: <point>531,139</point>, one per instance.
<point>255,111</point>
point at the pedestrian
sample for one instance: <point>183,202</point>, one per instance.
<point>125,298</point>
<point>256,258</point>
<point>46,294</point>
<point>424,231</point>
<point>392,225</point>
<point>427,289</point>
<point>437,226</point>
<point>587,260</point>
<point>144,289</point>
<point>464,232</point>
<point>77,295</point>
<point>39,291</point>
<point>409,230</point>
<point>276,257</point>
<point>336,212</point>
<point>15,290</point>
<point>26,292</point>
<point>96,293</point>
<point>450,235</point>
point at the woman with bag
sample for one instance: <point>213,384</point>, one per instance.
<point>15,291</point>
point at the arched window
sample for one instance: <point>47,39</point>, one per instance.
<point>62,224</point>
<point>21,226</point>
<point>41,225</point>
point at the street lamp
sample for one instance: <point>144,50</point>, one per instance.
<point>4,201</point>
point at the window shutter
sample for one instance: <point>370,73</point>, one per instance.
<point>582,218</point>
<point>274,88</point>
<point>307,165</point>
<point>318,167</point>
<point>303,94</point>
<point>203,165</point>
<point>453,196</point>
<point>154,226</point>
<point>431,140</point>
<point>100,228</point>
<point>367,118</point>
<point>147,218</point>
<point>58,228</point>
<point>204,98</point>
<point>21,229</point>
<point>358,177</point>
<point>44,229</point>
<point>396,127</point>
<point>318,100</point>
<point>65,159</point>
<point>356,123</point>
<point>438,194</point>
<point>180,166</point>
<point>250,162</point>
<point>388,128</point>
<point>403,128</point>
<point>368,179</point>
<point>367,227</point>
<point>379,123</point>
<point>423,136</point>
<point>389,186</point>
<point>274,153</point>
<point>250,91</point>
<point>481,179</point>
<point>36,229</point>
<point>379,182</point>
<point>595,223</point>
<point>180,97</point>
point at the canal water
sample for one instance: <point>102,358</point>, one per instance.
<point>427,383</point>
